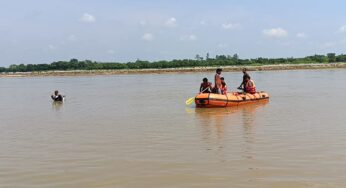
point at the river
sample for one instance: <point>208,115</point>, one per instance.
<point>135,131</point>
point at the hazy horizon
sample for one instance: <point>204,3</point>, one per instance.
<point>37,31</point>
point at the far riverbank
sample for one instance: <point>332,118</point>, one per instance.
<point>174,70</point>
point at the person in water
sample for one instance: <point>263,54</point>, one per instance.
<point>56,96</point>
<point>205,86</point>
<point>250,86</point>
<point>242,85</point>
<point>224,86</point>
<point>218,85</point>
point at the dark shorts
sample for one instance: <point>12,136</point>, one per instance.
<point>217,90</point>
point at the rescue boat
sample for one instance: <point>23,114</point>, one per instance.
<point>209,100</point>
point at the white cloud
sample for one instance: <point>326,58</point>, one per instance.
<point>230,26</point>
<point>275,32</point>
<point>222,45</point>
<point>301,35</point>
<point>189,37</point>
<point>110,51</point>
<point>88,18</point>
<point>143,23</point>
<point>51,47</point>
<point>342,29</point>
<point>148,37</point>
<point>172,22</point>
<point>72,37</point>
<point>192,37</point>
<point>203,22</point>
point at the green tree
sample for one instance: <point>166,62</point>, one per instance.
<point>198,57</point>
<point>207,57</point>
<point>331,57</point>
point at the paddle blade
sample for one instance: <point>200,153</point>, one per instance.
<point>190,101</point>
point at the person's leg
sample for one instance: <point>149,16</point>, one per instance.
<point>218,91</point>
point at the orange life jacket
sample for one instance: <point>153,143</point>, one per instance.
<point>250,87</point>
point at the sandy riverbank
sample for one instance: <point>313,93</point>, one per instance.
<point>174,70</point>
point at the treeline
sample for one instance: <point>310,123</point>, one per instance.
<point>199,61</point>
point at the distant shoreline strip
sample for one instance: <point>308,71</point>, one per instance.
<point>175,70</point>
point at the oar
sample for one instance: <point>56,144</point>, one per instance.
<point>190,100</point>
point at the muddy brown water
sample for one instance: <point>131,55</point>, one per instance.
<point>135,131</point>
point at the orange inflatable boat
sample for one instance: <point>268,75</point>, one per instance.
<point>208,100</point>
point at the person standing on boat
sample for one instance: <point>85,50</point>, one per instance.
<point>242,85</point>
<point>250,86</point>
<point>205,86</point>
<point>218,85</point>
<point>223,87</point>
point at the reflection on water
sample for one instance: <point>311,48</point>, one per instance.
<point>214,121</point>
<point>57,105</point>
<point>219,117</point>
<point>248,114</point>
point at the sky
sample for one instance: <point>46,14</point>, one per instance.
<point>44,31</point>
